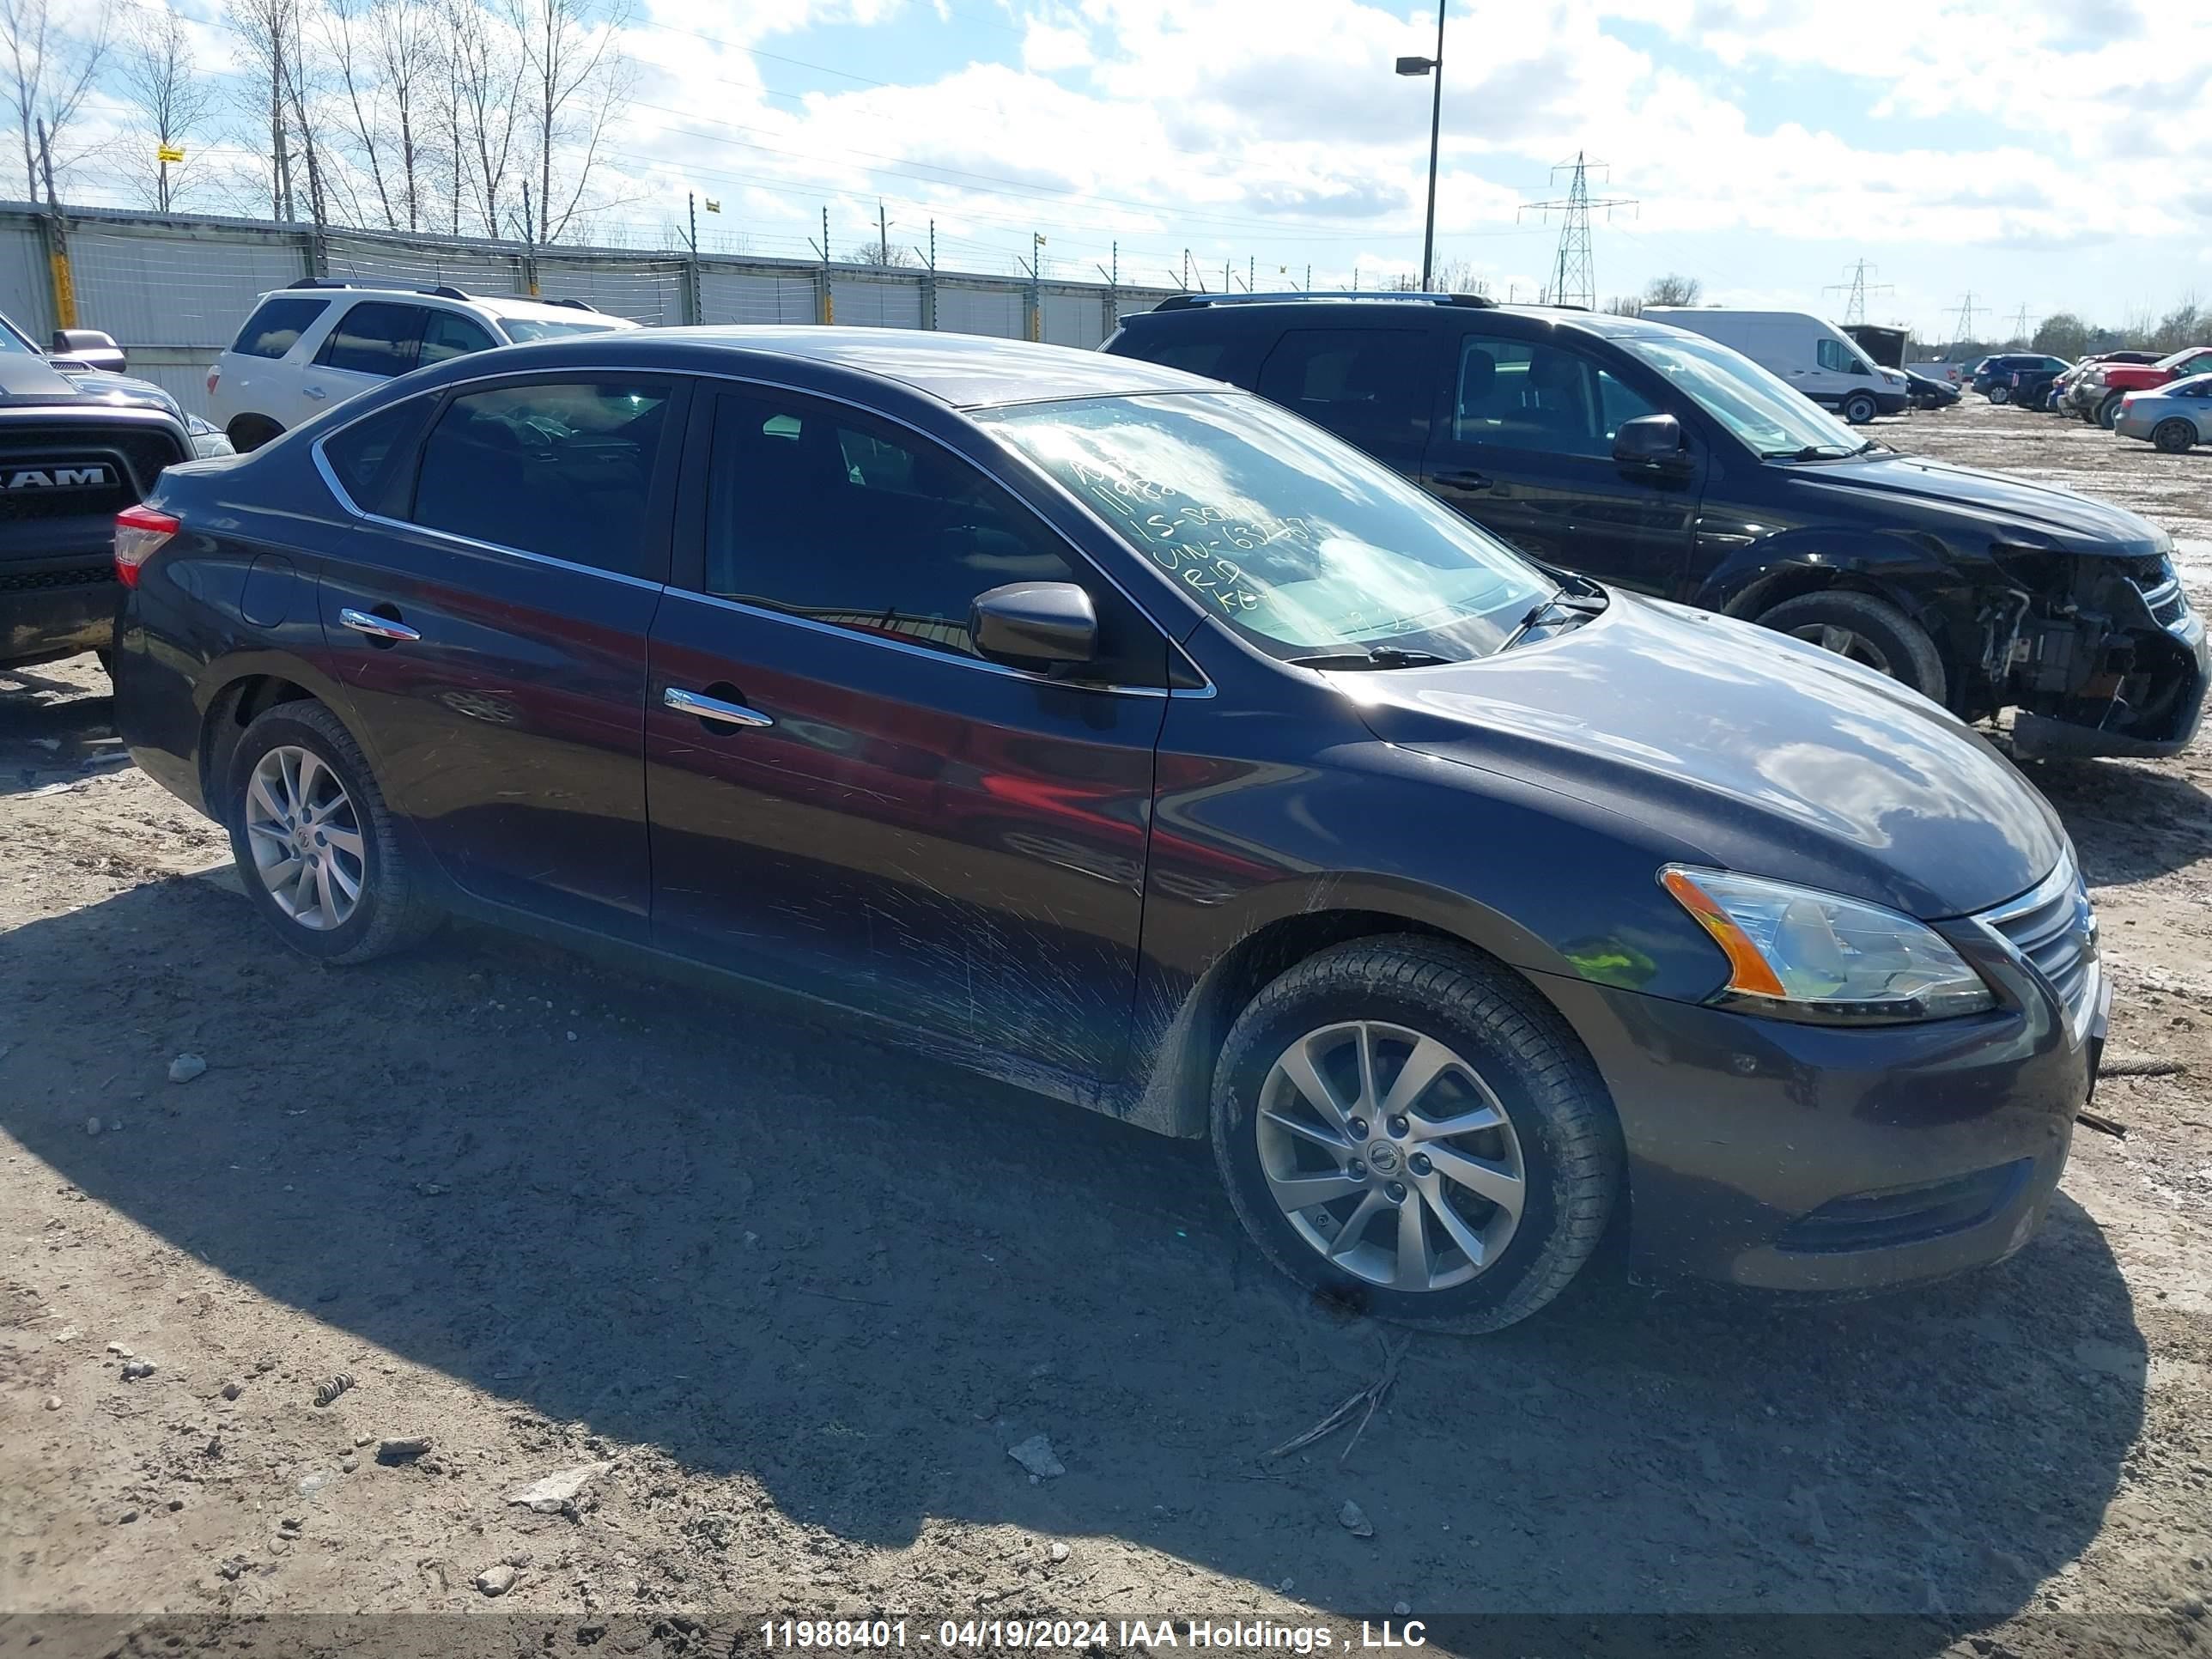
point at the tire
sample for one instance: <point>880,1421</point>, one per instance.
<point>2000,394</point>
<point>1860,408</point>
<point>2108,411</point>
<point>1513,1059</point>
<point>390,910</point>
<point>1881,636</point>
<point>247,433</point>
<point>2175,437</point>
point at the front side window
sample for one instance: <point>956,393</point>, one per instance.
<point>374,338</point>
<point>1540,398</point>
<point>448,335</point>
<point>1369,385</point>
<point>1297,541</point>
<point>1834,353</point>
<point>564,469</point>
<point>1771,416</point>
<point>276,324</point>
<point>821,512</point>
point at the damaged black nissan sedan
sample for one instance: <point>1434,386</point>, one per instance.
<point>1125,736</point>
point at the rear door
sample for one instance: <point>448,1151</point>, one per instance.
<point>877,816</point>
<point>1522,445</point>
<point>490,621</point>
<point>1372,387</point>
<point>375,340</point>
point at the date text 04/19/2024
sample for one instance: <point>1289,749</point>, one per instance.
<point>1047,1634</point>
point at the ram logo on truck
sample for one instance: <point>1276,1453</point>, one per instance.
<point>91,476</point>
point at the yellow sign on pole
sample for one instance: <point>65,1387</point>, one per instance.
<point>713,206</point>
<point>167,153</point>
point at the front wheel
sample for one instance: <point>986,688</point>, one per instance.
<point>1859,408</point>
<point>1406,1126</point>
<point>315,845</point>
<point>2174,436</point>
<point>1870,631</point>
<point>2000,394</point>
<point>2108,411</point>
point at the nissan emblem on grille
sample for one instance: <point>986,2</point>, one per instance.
<point>91,475</point>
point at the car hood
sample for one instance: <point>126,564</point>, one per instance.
<point>1771,757</point>
<point>25,380</point>
<point>2015,512</point>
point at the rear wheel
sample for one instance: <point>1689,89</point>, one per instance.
<point>1405,1126</point>
<point>247,433</point>
<point>2174,436</point>
<point>1868,631</point>
<point>1860,408</point>
<point>314,844</point>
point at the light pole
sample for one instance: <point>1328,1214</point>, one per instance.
<point>1431,66</point>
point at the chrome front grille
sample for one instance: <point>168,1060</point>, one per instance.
<point>2053,929</point>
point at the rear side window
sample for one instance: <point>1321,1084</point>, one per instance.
<point>448,334</point>
<point>374,338</point>
<point>1192,356</point>
<point>1369,385</point>
<point>370,457</point>
<point>276,324</point>
<point>561,468</point>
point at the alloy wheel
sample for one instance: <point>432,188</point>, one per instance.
<point>1844,642</point>
<point>306,836</point>
<point>1389,1156</point>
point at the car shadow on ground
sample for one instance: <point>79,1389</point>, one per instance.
<point>52,730</point>
<point>2129,823</point>
<point>776,1252</point>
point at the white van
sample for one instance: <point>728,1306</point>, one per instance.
<point>1813,355</point>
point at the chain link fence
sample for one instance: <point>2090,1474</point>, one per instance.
<point>174,291</point>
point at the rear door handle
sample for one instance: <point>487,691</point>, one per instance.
<point>1464,480</point>
<point>713,709</point>
<point>313,392</point>
<point>378,627</point>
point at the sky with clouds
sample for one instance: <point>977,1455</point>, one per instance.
<point>2043,155</point>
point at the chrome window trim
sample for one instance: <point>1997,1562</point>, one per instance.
<point>338,491</point>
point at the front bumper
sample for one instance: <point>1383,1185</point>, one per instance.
<point>2099,655</point>
<point>1801,1157</point>
<point>55,610</point>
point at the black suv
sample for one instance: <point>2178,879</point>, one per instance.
<point>1659,460</point>
<point>77,446</point>
<point>1993,376</point>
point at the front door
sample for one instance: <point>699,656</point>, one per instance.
<point>862,808</point>
<point>1522,445</point>
<point>491,628</point>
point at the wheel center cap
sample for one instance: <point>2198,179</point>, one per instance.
<point>1383,1158</point>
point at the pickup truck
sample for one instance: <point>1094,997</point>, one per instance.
<point>2096,396</point>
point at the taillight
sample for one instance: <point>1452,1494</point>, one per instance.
<point>213,374</point>
<point>140,533</point>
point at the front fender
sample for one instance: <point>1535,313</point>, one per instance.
<point>1915,573</point>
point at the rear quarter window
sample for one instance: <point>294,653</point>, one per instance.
<point>276,324</point>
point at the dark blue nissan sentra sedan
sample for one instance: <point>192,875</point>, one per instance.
<point>1121,734</point>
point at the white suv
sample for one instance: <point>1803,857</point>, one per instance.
<point>312,345</point>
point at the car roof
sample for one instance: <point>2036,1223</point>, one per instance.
<point>961,371</point>
<point>1387,311</point>
<point>499,305</point>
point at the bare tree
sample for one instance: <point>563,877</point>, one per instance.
<point>882,253</point>
<point>267,33</point>
<point>486,69</point>
<point>169,100</point>
<point>578,83</point>
<point>46,72</point>
<point>1674,289</point>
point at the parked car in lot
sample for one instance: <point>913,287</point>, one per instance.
<point>1929,393</point>
<point>2175,416</point>
<point>76,445</point>
<point>1812,354</point>
<point>1117,733</point>
<point>2096,396</point>
<point>1663,461</point>
<point>312,345</point>
<point>2031,388</point>
<point>1993,376</point>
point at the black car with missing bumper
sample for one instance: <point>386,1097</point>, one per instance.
<point>1120,734</point>
<point>1661,461</point>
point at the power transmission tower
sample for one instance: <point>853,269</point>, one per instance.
<point>1574,278</point>
<point>2020,325</point>
<point>1964,333</point>
<point>1857,288</point>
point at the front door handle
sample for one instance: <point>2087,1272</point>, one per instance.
<point>378,627</point>
<point>713,709</point>
<point>1465,478</point>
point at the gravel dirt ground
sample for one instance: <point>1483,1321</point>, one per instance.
<point>788,1303</point>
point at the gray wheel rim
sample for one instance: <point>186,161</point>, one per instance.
<point>306,838</point>
<point>1389,1156</point>
<point>1844,642</point>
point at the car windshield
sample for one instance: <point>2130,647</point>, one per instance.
<point>1293,538</point>
<point>1765,411</point>
<point>523,330</point>
<point>13,338</point>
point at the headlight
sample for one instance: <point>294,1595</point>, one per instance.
<point>1795,953</point>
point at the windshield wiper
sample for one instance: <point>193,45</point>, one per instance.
<point>1383,656</point>
<point>1559,607</point>
<point>1810,452</point>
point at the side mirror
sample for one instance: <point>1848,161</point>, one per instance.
<point>89,347</point>
<point>1034,625</point>
<point>1651,441</point>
